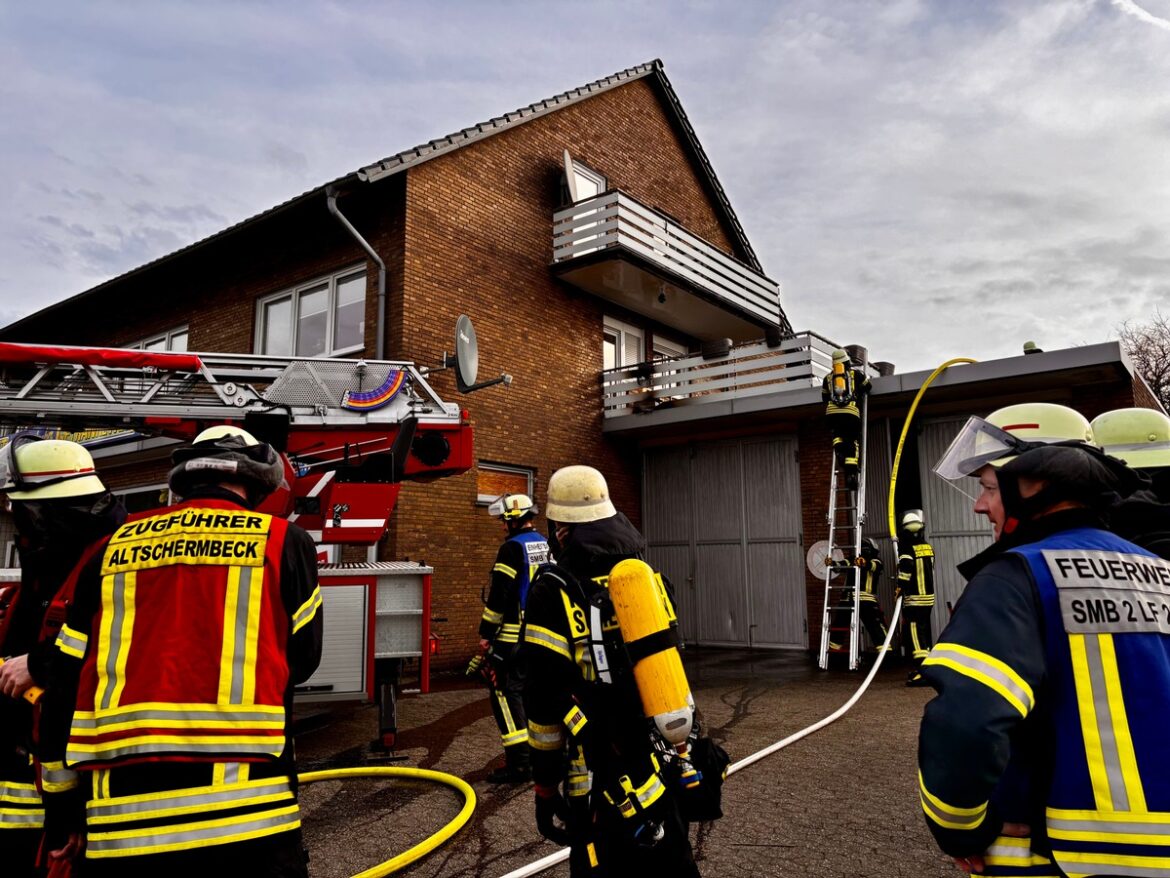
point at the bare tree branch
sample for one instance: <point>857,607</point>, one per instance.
<point>1148,345</point>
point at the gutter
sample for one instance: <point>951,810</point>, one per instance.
<point>331,202</point>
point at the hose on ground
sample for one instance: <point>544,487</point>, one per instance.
<point>428,844</point>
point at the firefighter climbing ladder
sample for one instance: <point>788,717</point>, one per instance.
<point>846,518</point>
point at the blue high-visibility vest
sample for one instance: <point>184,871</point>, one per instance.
<point>536,552</point>
<point>1106,605</point>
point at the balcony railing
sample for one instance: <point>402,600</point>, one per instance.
<point>799,362</point>
<point>615,221</point>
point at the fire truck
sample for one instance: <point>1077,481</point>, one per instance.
<point>350,433</point>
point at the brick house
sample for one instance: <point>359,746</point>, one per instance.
<point>590,240</point>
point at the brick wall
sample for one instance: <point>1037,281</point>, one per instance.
<point>479,241</point>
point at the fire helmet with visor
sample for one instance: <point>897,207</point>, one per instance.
<point>1007,433</point>
<point>35,468</point>
<point>513,508</point>
<point>578,494</point>
<point>1138,437</point>
<point>226,454</point>
<point>913,521</point>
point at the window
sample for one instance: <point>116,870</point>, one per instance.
<point>323,318</point>
<point>171,340</point>
<point>664,348</point>
<point>622,344</point>
<point>494,479</point>
<point>581,182</point>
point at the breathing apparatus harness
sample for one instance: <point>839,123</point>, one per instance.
<point>607,663</point>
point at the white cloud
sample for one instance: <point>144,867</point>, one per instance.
<point>927,179</point>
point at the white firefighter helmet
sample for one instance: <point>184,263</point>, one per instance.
<point>840,356</point>
<point>1007,432</point>
<point>577,494</point>
<point>913,520</point>
<point>1139,437</point>
<point>512,507</point>
<point>47,469</point>
<point>226,454</point>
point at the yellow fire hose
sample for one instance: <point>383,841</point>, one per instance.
<point>420,850</point>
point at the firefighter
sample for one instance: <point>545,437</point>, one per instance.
<point>842,391</point>
<point>1141,438</point>
<point>916,586</point>
<point>59,507</point>
<point>171,692</point>
<point>872,616</point>
<point>1044,751</point>
<point>521,553</point>
<point>602,785</point>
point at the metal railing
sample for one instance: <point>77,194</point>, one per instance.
<point>614,219</point>
<point>800,361</point>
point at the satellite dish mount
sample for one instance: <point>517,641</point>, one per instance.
<point>465,360</point>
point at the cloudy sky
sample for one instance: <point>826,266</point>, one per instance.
<point>930,179</point>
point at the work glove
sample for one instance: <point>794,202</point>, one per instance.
<point>551,807</point>
<point>475,666</point>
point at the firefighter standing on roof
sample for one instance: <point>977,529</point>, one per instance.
<point>916,585</point>
<point>602,785</point>
<point>172,690</point>
<point>499,631</point>
<point>842,391</point>
<point>1045,750</point>
<point>59,506</point>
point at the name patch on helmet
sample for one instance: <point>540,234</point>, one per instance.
<point>190,536</point>
<point>1111,592</point>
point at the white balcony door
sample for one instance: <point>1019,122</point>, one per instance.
<point>622,344</point>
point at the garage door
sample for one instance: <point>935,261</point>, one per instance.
<point>955,532</point>
<point>723,523</point>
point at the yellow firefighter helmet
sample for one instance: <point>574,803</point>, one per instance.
<point>1139,437</point>
<point>47,469</point>
<point>1007,432</point>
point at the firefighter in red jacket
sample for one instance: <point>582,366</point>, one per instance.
<point>59,506</point>
<point>172,690</point>
<point>521,553</point>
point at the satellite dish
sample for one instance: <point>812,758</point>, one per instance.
<point>466,353</point>
<point>820,556</point>
<point>570,177</point>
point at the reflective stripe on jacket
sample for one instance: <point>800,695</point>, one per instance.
<point>172,583</point>
<point>1106,606</point>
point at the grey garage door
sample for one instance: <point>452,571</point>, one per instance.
<point>955,532</point>
<point>723,523</point>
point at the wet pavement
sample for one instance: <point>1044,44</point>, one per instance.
<point>842,802</point>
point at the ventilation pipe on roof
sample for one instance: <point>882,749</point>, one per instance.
<point>331,201</point>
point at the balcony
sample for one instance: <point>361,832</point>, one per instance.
<point>627,253</point>
<point>693,387</point>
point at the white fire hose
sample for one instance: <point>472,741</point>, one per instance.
<point>535,868</point>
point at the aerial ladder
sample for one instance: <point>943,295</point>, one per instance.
<point>350,432</point>
<point>840,617</point>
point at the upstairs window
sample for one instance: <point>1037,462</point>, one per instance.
<point>582,181</point>
<point>171,340</point>
<point>323,318</point>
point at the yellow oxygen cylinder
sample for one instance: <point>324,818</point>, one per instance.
<point>839,379</point>
<point>642,609</point>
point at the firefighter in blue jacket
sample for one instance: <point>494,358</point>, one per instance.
<point>499,661</point>
<point>1045,750</point>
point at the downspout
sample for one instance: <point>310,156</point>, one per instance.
<point>331,201</point>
